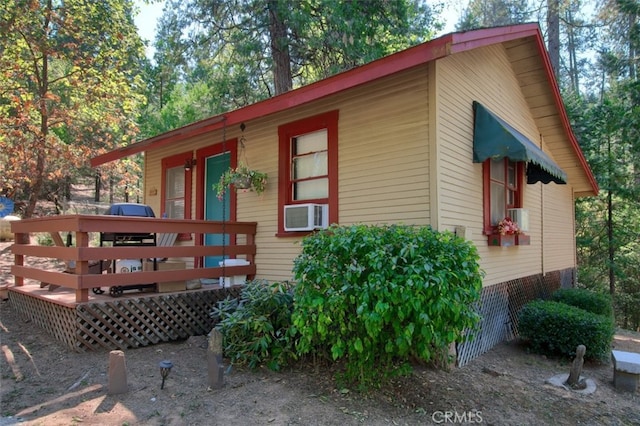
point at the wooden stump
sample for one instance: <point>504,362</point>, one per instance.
<point>214,360</point>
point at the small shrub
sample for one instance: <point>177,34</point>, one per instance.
<point>377,297</point>
<point>44,239</point>
<point>554,328</point>
<point>597,303</point>
<point>255,327</point>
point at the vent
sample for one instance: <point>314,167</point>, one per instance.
<point>306,217</point>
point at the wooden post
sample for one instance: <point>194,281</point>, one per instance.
<point>82,267</point>
<point>117,375</point>
<point>18,259</point>
<point>576,368</point>
<point>214,360</point>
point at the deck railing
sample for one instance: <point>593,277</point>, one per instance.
<point>82,254</point>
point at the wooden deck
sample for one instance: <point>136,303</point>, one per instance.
<point>135,319</point>
<point>241,237</point>
<point>69,309</point>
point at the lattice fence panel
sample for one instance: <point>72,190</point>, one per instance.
<point>499,306</point>
<point>124,323</point>
<point>136,322</point>
<point>57,320</point>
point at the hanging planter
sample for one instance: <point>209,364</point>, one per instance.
<point>241,177</point>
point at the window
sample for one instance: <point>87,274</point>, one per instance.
<point>174,195</point>
<point>503,181</point>
<point>309,167</point>
<point>308,164</point>
<point>176,188</point>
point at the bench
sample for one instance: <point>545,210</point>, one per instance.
<point>626,370</point>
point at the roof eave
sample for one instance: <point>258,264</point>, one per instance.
<point>380,68</point>
<point>564,118</point>
<point>406,59</point>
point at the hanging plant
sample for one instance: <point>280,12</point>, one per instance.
<point>241,177</point>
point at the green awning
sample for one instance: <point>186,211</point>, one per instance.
<point>494,138</point>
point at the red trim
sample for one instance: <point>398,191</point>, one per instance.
<point>564,118</point>
<point>380,68</point>
<point>329,121</point>
<point>415,56</point>
<point>486,191</point>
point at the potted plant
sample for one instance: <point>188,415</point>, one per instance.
<point>241,177</point>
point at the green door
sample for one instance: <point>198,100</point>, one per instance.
<point>215,209</point>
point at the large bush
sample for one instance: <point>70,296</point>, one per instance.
<point>597,303</point>
<point>255,327</point>
<point>554,328</point>
<point>374,296</point>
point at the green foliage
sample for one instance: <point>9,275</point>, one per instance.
<point>554,328</point>
<point>484,13</point>
<point>607,226</point>
<point>597,303</point>
<point>44,239</point>
<point>222,64</point>
<point>69,90</point>
<point>377,297</point>
<point>255,327</point>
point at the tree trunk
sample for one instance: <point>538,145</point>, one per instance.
<point>573,60</point>
<point>67,188</point>
<point>42,72</point>
<point>610,242</point>
<point>632,47</point>
<point>110,189</point>
<point>97,186</point>
<point>283,81</point>
<point>553,24</point>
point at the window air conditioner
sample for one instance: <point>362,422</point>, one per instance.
<point>521,217</point>
<point>306,217</point>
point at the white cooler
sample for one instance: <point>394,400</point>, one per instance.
<point>236,279</point>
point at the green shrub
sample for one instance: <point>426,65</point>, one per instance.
<point>44,239</point>
<point>378,297</point>
<point>554,328</point>
<point>597,303</point>
<point>255,327</point>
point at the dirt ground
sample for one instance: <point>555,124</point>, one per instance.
<point>44,383</point>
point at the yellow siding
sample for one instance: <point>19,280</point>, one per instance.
<point>485,75</point>
<point>390,173</point>
<point>383,163</point>
<point>559,236</point>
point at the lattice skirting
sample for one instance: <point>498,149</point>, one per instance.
<point>499,306</point>
<point>124,323</point>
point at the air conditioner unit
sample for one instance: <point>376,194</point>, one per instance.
<point>306,217</point>
<point>521,217</point>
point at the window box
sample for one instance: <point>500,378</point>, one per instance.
<point>502,240</point>
<point>523,240</point>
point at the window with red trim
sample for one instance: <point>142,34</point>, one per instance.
<point>308,165</point>
<point>503,183</point>
<point>176,188</point>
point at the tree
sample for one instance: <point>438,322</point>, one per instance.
<point>553,35</point>
<point>67,88</point>
<point>490,13</point>
<point>227,54</point>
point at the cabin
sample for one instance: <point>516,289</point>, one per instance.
<point>458,133</point>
